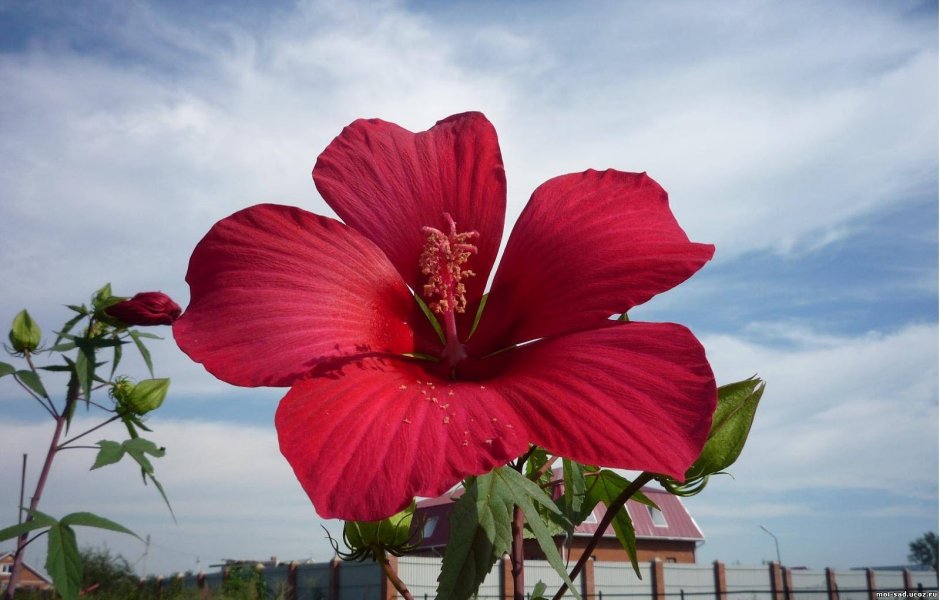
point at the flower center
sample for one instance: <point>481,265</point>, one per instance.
<point>442,260</point>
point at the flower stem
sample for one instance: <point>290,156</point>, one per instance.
<point>71,398</point>
<point>393,576</point>
<point>517,556</point>
<point>612,509</point>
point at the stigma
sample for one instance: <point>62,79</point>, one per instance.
<point>442,261</point>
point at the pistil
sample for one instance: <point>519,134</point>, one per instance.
<point>442,261</point>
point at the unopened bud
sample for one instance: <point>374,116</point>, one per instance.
<point>25,334</point>
<point>145,308</point>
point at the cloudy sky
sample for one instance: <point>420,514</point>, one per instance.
<point>800,138</point>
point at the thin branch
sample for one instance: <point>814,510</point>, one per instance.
<point>36,397</point>
<point>78,448</point>
<point>518,554</point>
<point>612,510</point>
<point>96,427</point>
<point>521,462</point>
<point>544,468</point>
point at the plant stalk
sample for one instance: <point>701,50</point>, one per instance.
<point>517,556</point>
<point>393,577</point>
<point>60,420</point>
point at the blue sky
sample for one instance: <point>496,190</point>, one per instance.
<point>800,138</point>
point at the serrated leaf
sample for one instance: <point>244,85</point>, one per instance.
<point>480,533</point>
<point>116,360</point>
<point>144,353</point>
<point>85,369</point>
<point>38,521</point>
<point>148,335</point>
<point>731,423</point>
<point>69,324</point>
<point>575,492</point>
<point>33,382</point>
<point>63,561</point>
<point>605,487</point>
<point>163,495</point>
<point>87,519</point>
<point>527,495</point>
<point>6,369</point>
<point>108,454</point>
<point>538,592</point>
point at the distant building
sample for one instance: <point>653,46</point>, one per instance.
<point>29,578</point>
<point>669,533</point>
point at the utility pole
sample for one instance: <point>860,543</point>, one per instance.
<point>776,543</point>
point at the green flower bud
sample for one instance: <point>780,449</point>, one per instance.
<point>148,395</point>
<point>25,334</point>
<point>369,538</point>
<point>141,398</point>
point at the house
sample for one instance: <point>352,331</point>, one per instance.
<point>29,577</point>
<point>669,533</point>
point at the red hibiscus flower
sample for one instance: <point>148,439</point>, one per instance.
<point>382,406</point>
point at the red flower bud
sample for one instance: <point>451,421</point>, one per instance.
<point>145,308</point>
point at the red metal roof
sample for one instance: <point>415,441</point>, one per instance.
<point>675,522</point>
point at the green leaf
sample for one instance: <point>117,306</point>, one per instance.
<point>163,495</point>
<point>70,324</point>
<point>605,487</point>
<point>79,308</point>
<point>109,453</point>
<point>38,521</point>
<point>85,370</point>
<point>87,519</point>
<point>118,353</point>
<point>33,382</point>
<point>6,369</point>
<point>480,533</point>
<point>538,592</point>
<point>25,334</point>
<point>731,423</point>
<point>575,492</point>
<point>63,561</point>
<point>527,495</point>
<point>139,448</point>
<point>144,353</point>
<point>148,335</point>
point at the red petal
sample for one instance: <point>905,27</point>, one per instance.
<point>636,396</point>
<point>365,440</point>
<point>276,291</point>
<point>587,245</point>
<point>388,183</point>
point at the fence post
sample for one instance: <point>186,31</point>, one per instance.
<point>506,576</point>
<point>776,581</point>
<point>334,579</point>
<point>587,580</point>
<point>788,583</point>
<point>659,579</point>
<point>291,591</point>
<point>201,585</point>
<point>721,582</point>
<point>871,583</point>
<point>908,581</point>
<point>832,590</point>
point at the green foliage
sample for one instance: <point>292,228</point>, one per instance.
<point>108,575</point>
<point>924,550</point>
<point>481,530</point>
